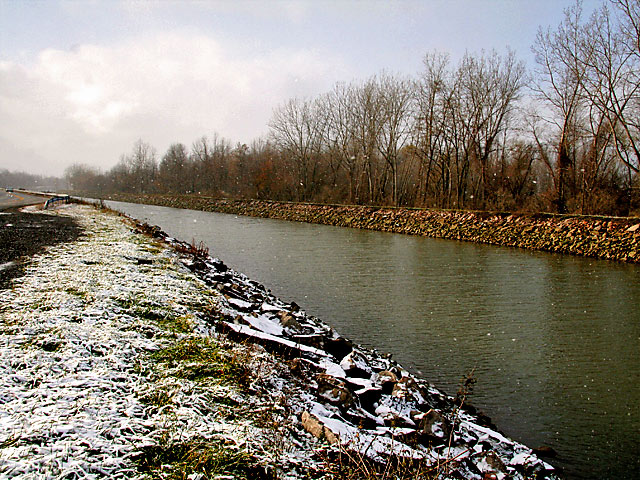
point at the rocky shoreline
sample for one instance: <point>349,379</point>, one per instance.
<point>610,238</point>
<point>126,351</point>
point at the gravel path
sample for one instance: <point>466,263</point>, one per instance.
<point>24,233</point>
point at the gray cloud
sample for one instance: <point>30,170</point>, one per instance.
<point>89,104</point>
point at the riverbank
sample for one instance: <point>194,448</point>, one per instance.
<point>128,354</point>
<point>599,237</point>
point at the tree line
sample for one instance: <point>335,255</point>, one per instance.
<point>29,181</point>
<point>483,133</point>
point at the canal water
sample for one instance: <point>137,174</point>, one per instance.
<point>553,341</point>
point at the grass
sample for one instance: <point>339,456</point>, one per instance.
<point>210,457</point>
<point>201,358</point>
<point>76,292</point>
<point>157,314</point>
<point>348,464</point>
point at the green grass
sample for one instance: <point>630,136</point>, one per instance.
<point>177,461</point>
<point>160,315</point>
<point>76,292</point>
<point>197,358</point>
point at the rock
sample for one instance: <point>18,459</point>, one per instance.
<point>288,321</point>
<point>312,340</point>
<point>387,380</point>
<point>312,425</point>
<point>545,451</point>
<point>51,344</point>
<point>356,365</point>
<point>368,397</point>
<point>334,391</point>
<point>338,347</point>
<point>407,389</point>
<point>634,228</point>
<point>391,417</point>
<point>294,307</point>
<point>434,425</point>
<point>493,461</point>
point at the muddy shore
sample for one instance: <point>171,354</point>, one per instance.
<point>611,238</point>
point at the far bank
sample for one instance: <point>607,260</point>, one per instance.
<point>611,238</point>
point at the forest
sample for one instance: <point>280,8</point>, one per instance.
<point>482,133</point>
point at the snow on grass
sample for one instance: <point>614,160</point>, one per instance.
<point>81,396</point>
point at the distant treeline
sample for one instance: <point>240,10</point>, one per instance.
<point>482,134</point>
<point>26,180</point>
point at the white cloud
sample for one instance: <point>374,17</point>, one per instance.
<point>90,104</point>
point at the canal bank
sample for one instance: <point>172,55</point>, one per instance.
<point>609,238</point>
<point>552,338</point>
<point>129,354</point>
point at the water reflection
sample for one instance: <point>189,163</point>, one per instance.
<point>554,340</point>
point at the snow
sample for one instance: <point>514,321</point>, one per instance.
<point>6,265</point>
<point>264,324</point>
<point>243,329</point>
<point>74,370</point>
<point>266,307</point>
<point>332,368</point>
<point>486,432</point>
<point>71,380</point>
<point>239,303</point>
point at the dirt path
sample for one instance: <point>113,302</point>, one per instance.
<point>23,234</point>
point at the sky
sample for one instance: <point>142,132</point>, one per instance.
<point>82,81</point>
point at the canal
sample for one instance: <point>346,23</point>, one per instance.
<point>553,341</point>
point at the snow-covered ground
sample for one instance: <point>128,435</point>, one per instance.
<point>116,353</point>
<point>74,357</point>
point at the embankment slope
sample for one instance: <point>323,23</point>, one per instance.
<point>611,238</point>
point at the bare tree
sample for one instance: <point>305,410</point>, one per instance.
<point>396,97</point>
<point>561,59</point>
<point>613,81</point>
<point>175,169</point>
<point>298,129</point>
<point>139,168</point>
<point>489,86</point>
<point>340,136</point>
<point>432,91</point>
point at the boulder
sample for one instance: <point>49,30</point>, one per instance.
<point>392,418</point>
<point>312,425</point>
<point>338,346</point>
<point>289,321</point>
<point>355,364</point>
<point>407,389</point>
<point>334,391</point>
<point>435,426</point>
<point>386,379</point>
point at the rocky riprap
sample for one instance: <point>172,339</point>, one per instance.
<point>357,399</point>
<point>600,237</point>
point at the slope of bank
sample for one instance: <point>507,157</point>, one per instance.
<point>609,238</point>
<point>129,354</point>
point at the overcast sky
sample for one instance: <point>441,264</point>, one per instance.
<point>81,81</point>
